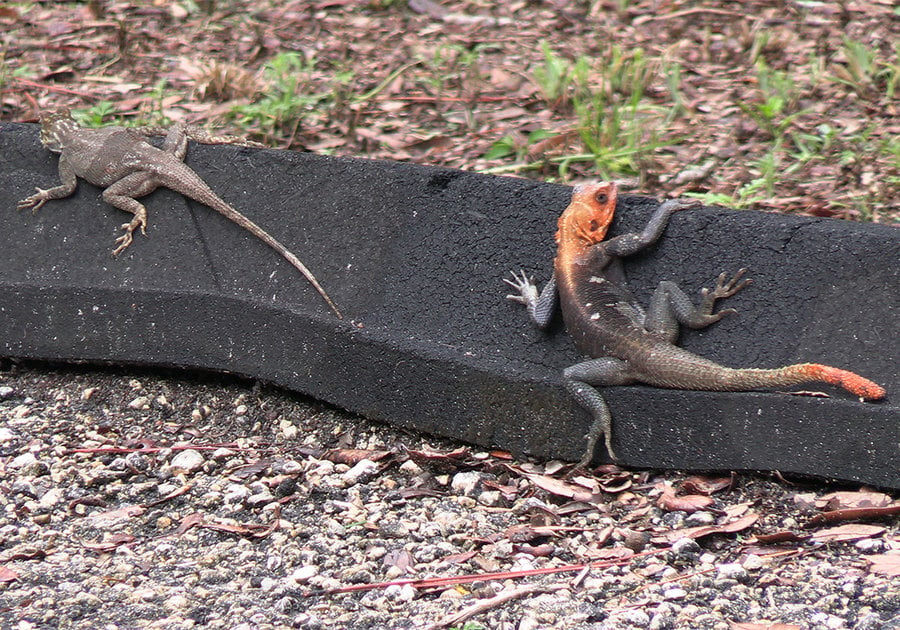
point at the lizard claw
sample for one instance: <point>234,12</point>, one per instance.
<point>528,293</point>
<point>123,242</point>
<point>724,288</point>
<point>728,288</point>
<point>34,201</point>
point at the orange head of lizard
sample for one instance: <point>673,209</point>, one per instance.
<point>588,216</point>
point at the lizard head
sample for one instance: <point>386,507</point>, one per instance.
<point>588,216</point>
<point>56,124</point>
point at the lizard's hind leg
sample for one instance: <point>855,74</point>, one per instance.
<point>580,381</point>
<point>122,196</point>
<point>176,141</point>
<point>671,306</point>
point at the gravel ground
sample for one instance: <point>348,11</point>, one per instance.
<point>153,500</point>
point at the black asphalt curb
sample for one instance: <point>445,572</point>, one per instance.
<point>414,257</point>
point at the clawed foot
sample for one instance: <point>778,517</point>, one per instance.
<point>676,205</point>
<point>725,288</point>
<point>34,201</point>
<point>585,462</point>
<point>125,240</point>
<point>528,293</point>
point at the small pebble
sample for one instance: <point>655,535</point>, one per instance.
<point>465,483</point>
<point>187,460</point>
<point>732,571</point>
<point>686,548</point>
<point>362,470</point>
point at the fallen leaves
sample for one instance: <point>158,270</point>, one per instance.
<point>729,527</point>
<point>847,533</point>
<point>560,487</point>
<point>7,575</point>
<point>885,563</point>
<point>845,500</point>
<point>690,503</point>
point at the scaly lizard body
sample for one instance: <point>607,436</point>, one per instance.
<point>127,166</point>
<point>627,344</point>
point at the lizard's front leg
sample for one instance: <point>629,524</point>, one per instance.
<point>122,196</point>
<point>540,306</point>
<point>580,381</point>
<point>66,188</point>
<point>633,242</point>
<point>671,306</point>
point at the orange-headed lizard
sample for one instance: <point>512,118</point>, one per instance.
<point>627,344</point>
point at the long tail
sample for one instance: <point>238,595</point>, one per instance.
<point>270,240</point>
<point>189,184</point>
<point>751,378</point>
<point>671,366</point>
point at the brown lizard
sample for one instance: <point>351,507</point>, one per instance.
<point>627,344</point>
<point>127,166</point>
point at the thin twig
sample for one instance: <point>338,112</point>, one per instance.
<point>498,600</point>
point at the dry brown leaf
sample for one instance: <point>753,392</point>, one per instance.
<point>706,530</point>
<point>737,509</point>
<point>22,552</point>
<point>705,485</point>
<point>610,553</point>
<point>459,558</point>
<point>844,500</point>
<point>102,519</point>
<point>437,461</point>
<point>780,537</point>
<point>401,559</point>
<point>189,521</point>
<point>7,575</point>
<point>243,472</point>
<point>352,456</point>
<point>616,481</point>
<point>110,543</point>
<point>588,483</point>
<point>559,487</point>
<point>538,551</point>
<point>740,524</point>
<point>689,503</point>
<point>885,563</point>
<point>844,533</point>
<point>175,493</point>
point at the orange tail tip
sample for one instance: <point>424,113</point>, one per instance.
<point>853,383</point>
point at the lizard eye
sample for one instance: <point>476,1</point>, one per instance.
<point>602,198</point>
